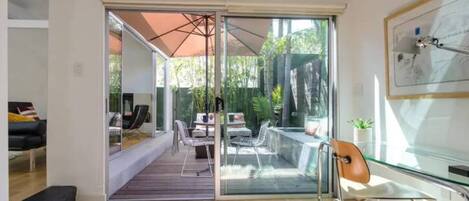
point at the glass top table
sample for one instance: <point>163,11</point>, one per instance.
<point>431,162</point>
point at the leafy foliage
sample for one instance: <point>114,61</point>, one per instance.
<point>277,98</point>
<point>362,123</point>
<point>261,106</point>
<point>198,98</point>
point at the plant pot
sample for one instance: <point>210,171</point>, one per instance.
<point>362,135</point>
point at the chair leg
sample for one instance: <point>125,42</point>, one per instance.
<point>258,159</point>
<point>339,186</point>
<point>32,160</point>
<point>186,169</point>
<point>184,164</point>
<point>140,132</point>
<point>236,155</point>
<point>209,159</point>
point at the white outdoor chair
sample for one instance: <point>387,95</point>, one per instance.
<point>249,142</point>
<point>193,142</point>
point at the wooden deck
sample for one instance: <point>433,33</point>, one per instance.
<point>161,180</point>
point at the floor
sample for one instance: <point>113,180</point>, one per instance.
<point>276,175</point>
<point>129,140</point>
<point>24,183</point>
<point>161,180</point>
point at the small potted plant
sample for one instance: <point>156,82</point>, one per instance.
<point>362,129</point>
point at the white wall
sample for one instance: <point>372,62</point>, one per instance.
<point>3,101</point>
<point>427,122</point>
<point>27,67</point>
<point>430,123</point>
<point>76,152</point>
<point>137,66</point>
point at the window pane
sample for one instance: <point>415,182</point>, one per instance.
<point>28,9</point>
<point>115,85</point>
<point>276,92</point>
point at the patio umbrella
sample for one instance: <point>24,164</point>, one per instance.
<point>193,34</point>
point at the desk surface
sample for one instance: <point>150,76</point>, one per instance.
<point>431,162</point>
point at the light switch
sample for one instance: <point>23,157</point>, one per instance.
<point>78,69</point>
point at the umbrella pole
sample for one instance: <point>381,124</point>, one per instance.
<point>206,71</point>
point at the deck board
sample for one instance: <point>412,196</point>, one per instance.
<point>161,180</point>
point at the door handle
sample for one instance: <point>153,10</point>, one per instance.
<point>220,104</point>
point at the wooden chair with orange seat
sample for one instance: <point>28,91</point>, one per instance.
<point>354,177</point>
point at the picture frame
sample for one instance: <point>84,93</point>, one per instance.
<point>413,72</point>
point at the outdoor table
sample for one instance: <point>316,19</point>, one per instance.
<point>212,123</point>
<point>232,132</point>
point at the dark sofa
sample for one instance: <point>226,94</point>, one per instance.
<point>26,136</point>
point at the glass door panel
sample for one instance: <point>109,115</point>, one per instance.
<point>276,90</point>
<point>115,85</point>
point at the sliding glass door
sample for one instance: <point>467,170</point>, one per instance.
<point>115,84</point>
<point>277,94</point>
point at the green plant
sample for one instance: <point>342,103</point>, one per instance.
<point>261,107</point>
<point>362,123</point>
<point>277,98</point>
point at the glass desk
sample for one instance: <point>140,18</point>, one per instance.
<point>430,165</point>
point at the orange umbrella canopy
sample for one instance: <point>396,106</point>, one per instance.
<point>184,34</point>
<point>115,43</point>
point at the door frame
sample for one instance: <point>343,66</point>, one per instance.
<point>4,183</point>
<point>221,12</point>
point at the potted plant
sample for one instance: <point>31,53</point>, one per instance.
<point>362,129</point>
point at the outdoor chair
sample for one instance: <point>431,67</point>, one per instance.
<point>136,121</point>
<point>250,142</point>
<point>194,142</point>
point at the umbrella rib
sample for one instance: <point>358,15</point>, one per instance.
<point>192,22</point>
<point>245,45</point>
<point>212,47</point>
<point>151,39</point>
<point>213,27</point>
<point>172,54</point>
<point>190,32</point>
<point>245,30</point>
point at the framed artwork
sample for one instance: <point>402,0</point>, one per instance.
<point>427,50</point>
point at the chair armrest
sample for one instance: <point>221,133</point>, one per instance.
<point>37,128</point>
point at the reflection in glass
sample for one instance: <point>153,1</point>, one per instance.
<point>276,78</point>
<point>115,85</point>
<point>28,9</point>
<point>138,88</point>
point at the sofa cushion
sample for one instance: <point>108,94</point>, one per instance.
<point>12,117</point>
<point>24,142</point>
